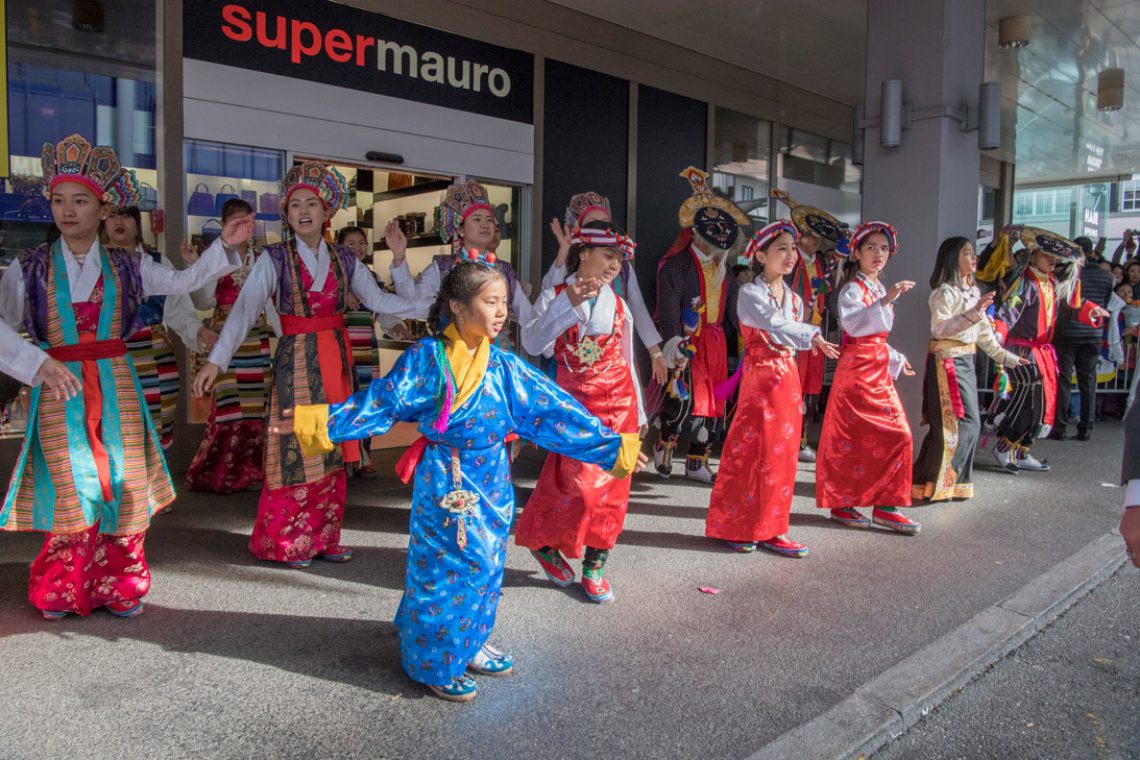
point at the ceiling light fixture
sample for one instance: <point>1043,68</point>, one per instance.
<point>1014,32</point>
<point>1110,90</point>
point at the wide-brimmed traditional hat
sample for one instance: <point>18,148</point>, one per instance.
<point>813,221</point>
<point>1036,239</point>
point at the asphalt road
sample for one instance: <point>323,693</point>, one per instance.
<point>240,659</point>
<point>1072,691</point>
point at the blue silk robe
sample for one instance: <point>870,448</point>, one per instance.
<point>450,595</point>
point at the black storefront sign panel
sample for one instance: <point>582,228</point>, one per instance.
<point>325,42</point>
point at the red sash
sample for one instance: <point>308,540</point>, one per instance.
<point>335,375</point>
<point>1045,356</point>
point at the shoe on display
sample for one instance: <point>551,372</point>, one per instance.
<point>850,517</point>
<point>1005,461</point>
<point>462,689</point>
<point>127,609</point>
<point>1029,462</point>
<point>557,569</point>
<point>807,454</point>
<point>489,661</point>
<point>597,588</point>
<point>784,546</point>
<point>896,521</point>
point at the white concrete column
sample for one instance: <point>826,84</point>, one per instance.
<point>927,186</point>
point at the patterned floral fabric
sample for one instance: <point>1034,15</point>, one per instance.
<point>81,572</point>
<point>452,585</point>
<point>296,523</point>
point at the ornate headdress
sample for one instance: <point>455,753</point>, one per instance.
<point>763,237</point>
<point>326,182</point>
<point>582,204</point>
<point>1035,239</point>
<point>460,202</point>
<point>97,168</point>
<point>592,237</point>
<point>704,198</point>
<point>869,228</point>
<point>813,221</point>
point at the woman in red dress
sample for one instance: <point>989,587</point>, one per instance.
<point>866,447</point>
<point>752,496</point>
<point>576,508</point>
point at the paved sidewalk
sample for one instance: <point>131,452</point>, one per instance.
<point>236,658</point>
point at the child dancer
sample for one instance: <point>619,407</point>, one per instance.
<point>865,448</point>
<point>230,457</point>
<point>301,508</point>
<point>958,325</point>
<point>594,207</point>
<point>587,328</point>
<point>468,397</point>
<point>752,496</point>
<point>91,471</point>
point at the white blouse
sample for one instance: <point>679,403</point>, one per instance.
<point>553,315</point>
<point>859,320</point>
<point>261,286</point>
<point>642,319</point>
<point>949,305</point>
<point>424,287</point>
<point>757,307</point>
<point>22,360</point>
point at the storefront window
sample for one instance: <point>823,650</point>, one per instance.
<point>819,171</point>
<point>741,159</point>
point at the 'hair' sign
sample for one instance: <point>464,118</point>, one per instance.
<point>334,44</point>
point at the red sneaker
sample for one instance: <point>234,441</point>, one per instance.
<point>784,546</point>
<point>597,589</point>
<point>850,517</point>
<point>896,521</point>
<point>557,570</point>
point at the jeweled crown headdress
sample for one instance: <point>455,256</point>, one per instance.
<point>325,181</point>
<point>582,204</point>
<point>74,159</point>
<point>459,202</point>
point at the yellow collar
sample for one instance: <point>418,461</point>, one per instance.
<point>467,369</point>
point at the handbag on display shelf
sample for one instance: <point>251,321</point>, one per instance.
<point>250,197</point>
<point>223,196</point>
<point>201,201</point>
<point>269,203</point>
<point>148,197</point>
<point>211,231</point>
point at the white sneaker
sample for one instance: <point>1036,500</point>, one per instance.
<point>1030,462</point>
<point>807,454</point>
<point>1005,459</point>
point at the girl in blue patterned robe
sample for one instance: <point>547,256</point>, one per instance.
<point>463,499</point>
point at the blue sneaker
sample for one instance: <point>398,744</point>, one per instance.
<point>489,661</point>
<point>462,689</point>
<point>54,614</point>
<point>741,546</point>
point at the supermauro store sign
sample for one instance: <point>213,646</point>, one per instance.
<point>334,44</point>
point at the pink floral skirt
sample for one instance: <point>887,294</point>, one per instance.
<point>296,523</point>
<point>230,457</point>
<point>81,572</point>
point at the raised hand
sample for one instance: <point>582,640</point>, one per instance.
<point>189,253</point>
<point>897,290</point>
<point>583,289</point>
<point>238,230</point>
<point>562,235</point>
<point>984,303</point>
<point>396,241</point>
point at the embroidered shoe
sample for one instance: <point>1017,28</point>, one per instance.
<point>597,589</point>
<point>1005,461</point>
<point>337,553</point>
<point>126,609</point>
<point>1029,462</point>
<point>741,546</point>
<point>850,517</point>
<point>557,570</point>
<point>489,661</point>
<point>54,614</point>
<point>896,521</point>
<point>784,546</point>
<point>807,454</point>
<point>462,689</point>
<point>298,564</point>
<point>697,468</point>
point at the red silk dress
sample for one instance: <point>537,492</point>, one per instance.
<point>865,450</point>
<point>575,504</point>
<point>752,496</point>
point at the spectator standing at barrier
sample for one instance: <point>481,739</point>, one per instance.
<point>1078,345</point>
